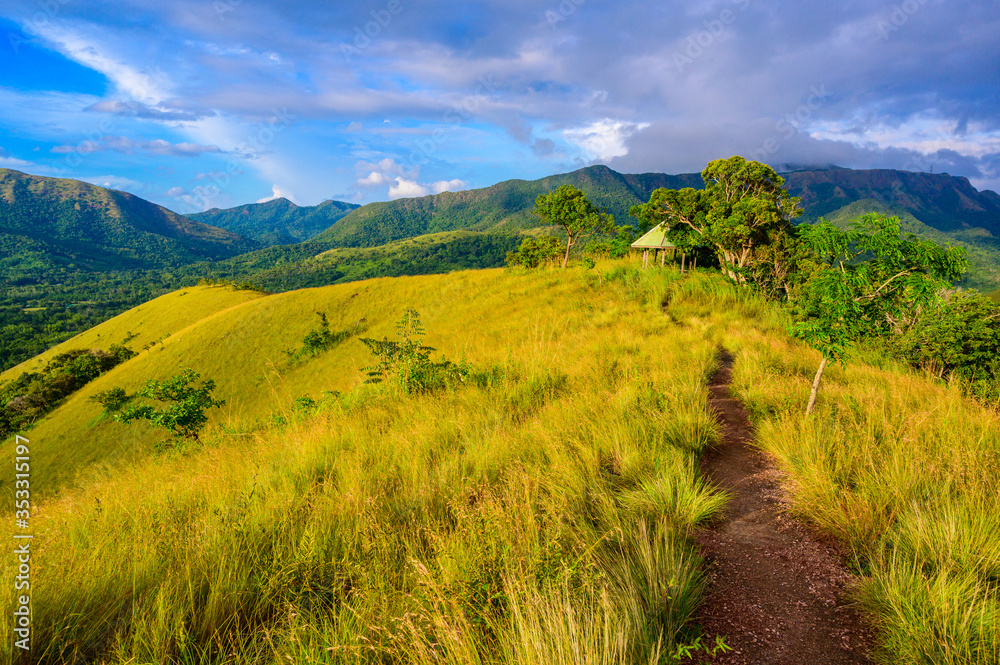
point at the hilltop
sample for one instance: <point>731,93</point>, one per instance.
<point>546,503</point>
<point>60,284</point>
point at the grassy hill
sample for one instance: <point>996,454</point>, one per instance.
<point>51,227</point>
<point>277,222</point>
<point>546,505</point>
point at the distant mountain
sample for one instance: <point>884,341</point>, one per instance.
<point>276,222</point>
<point>504,207</point>
<point>944,202</point>
<point>51,226</point>
<point>943,207</point>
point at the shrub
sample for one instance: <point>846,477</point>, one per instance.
<point>185,415</point>
<point>408,362</point>
<point>536,251</point>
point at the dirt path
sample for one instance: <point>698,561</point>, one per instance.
<point>776,590</point>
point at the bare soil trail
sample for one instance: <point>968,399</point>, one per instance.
<point>776,588</point>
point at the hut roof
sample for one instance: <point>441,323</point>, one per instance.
<point>655,239</point>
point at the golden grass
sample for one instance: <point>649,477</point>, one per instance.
<point>453,527</point>
<point>540,514</point>
<point>902,469</point>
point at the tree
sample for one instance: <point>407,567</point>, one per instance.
<point>535,251</point>
<point>569,208</point>
<point>743,209</point>
<point>185,414</point>
<point>958,337</point>
<point>871,283</point>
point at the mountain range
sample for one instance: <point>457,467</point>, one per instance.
<point>73,254</point>
<point>278,221</point>
<point>52,225</point>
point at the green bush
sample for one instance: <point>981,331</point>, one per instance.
<point>536,251</point>
<point>185,414</point>
<point>959,338</point>
<point>319,339</point>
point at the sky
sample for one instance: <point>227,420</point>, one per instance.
<point>196,104</point>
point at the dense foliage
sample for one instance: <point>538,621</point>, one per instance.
<point>871,284</point>
<point>958,337</point>
<point>34,394</point>
<point>536,251</point>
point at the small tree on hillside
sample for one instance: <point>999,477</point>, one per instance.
<point>872,283</point>
<point>184,415</point>
<point>569,208</point>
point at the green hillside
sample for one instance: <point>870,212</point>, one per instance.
<point>52,227</point>
<point>504,207</point>
<point>422,255</point>
<point>943,202</point>
<point>277,222</point>
<point>545,505</point>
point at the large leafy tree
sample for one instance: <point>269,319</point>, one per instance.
<point>743,210</point>
<point>871,283</point>
<point>570,208</point>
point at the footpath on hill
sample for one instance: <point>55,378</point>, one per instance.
<point>777,590</point>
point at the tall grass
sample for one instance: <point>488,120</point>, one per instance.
<point>542,514</point>
<point>904,471</point>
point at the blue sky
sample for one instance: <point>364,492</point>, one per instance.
<point>213,103</point>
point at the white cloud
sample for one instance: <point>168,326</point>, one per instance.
<point>406,189</point>
<point>148,85</point>
<point>8,162</point>
<point>176,191</point>
<point>373,179</point>
<point>403,183</point>
<point>380,173</point>
<point>129,146</point>
<point>448,186</point>
<point>278,192</point>
<point>923,133</point>
<point>604,139</point>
